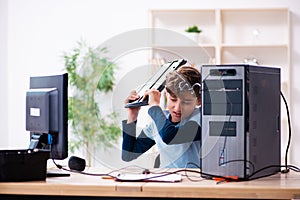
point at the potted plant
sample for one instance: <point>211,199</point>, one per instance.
<point>90,74</point>
<point>193,32</point>
<point>193,29</point>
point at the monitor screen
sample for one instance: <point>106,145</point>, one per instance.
<point>47,114</point>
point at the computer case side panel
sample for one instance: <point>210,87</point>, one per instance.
<point>264,121</point>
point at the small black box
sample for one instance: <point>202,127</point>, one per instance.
<point>23,165</point>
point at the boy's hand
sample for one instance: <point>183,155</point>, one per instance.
<point>133,95</point>
<point>132,112</point>
<point>153,97</point>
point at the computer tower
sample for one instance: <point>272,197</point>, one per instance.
<point>240,121</point>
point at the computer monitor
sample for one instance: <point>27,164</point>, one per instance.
<point>47,114</point>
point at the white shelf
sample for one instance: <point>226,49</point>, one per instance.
<point>255,26</point>
<point>255,45</point>
<point>180,20</point>
<point>229,36</point>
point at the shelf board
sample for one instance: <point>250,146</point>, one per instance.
<point>163,11</point>
<point>254,45</point>
<point>279,9</point>
<point>183,46</point>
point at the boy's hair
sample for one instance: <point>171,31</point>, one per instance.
<point>186,78</point>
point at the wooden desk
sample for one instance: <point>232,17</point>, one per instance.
<point>279,186</point>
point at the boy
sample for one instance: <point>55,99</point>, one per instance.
<point>177,134</point>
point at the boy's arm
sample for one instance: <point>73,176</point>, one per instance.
<point>132,146</point>
<point>172,134</point>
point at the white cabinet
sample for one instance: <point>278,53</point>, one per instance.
<point>232,36</point>
<point>229,36</point>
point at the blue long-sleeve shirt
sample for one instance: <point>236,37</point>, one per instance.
<point>178,143</point>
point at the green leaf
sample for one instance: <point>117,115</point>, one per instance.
<point>90,72</point>
<point>193,29</point>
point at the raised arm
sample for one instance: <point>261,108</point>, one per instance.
<point>172,133</point>
<point>132,146</point>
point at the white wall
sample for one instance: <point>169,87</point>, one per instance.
<point>35,33</point>
<point>3,74</point>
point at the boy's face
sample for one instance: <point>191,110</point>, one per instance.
<point>182,107</point>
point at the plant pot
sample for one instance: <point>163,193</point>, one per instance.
<point>193,36</point>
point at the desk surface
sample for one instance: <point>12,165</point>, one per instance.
<point>278,186</point>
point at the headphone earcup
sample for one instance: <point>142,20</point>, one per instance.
<point>76,163</point>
